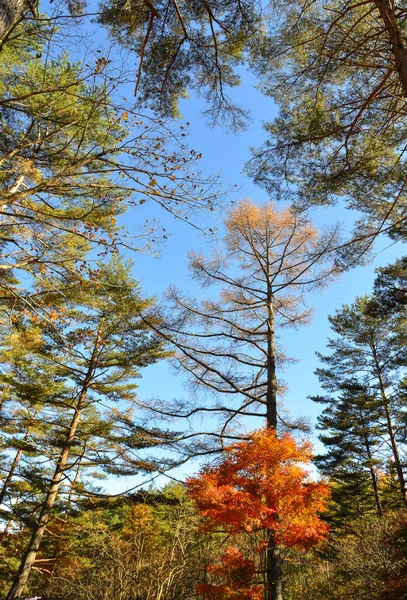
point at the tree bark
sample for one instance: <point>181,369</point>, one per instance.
<point>274,574</point>
<point>274,586</point>
<point>398,44</point>
<point>374,481</point>
<point>10,12</point>
<point>271,397</point>
<point>10,475</point>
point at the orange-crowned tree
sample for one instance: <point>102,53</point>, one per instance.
<point>261,485</point>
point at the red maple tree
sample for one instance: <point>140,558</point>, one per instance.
<point>262,484</point>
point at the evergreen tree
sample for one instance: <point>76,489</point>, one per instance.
<point>98,343</point>
<point>390,287</point>
<point>178,45</point>
<point>353,437</point>
<point>338,73</point>
<point>30,391</point>
<point>364,376</point>
<point>73,159</point>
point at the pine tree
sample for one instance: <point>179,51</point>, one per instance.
<point>368,356</point>
<point>390,287</point>
<point>353,437</point>
<point>29,390</point>
<point>73,158</point>
<point>98,343</point>
<point>178,45</point>
<point>338,74</point>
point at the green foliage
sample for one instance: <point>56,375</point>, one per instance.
<point>364,418</point>
<point>184,46</point>
<point>145,546</point>
<point>74,157</point>
<point>390,287</point>
<point>370,561</point>
<point>339,79</point>
<point>87,421</point>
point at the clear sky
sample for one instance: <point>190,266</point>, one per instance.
<point>226,154</point>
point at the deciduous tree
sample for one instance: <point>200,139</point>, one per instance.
<point>227,346</point>
<point>260,485</point>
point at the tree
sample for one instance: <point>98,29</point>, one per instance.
<point>28,389</point>
<point>370,562</point>
<point>144,545</point>
<point>353,437</point>
<point>179,46</point>
<point>260,485</point>
<point>11,13</point>
<point>368,353</point>
<point>73,158</point>
<point>98,343</point>
<point>338,73</point>
<point>269,260</point>
<point>390,287</point>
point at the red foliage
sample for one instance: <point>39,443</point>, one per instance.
<point>238,574</point>
<point>263,484</point>
<point>260,484</point>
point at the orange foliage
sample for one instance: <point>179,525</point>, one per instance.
<point>281,230</point>
<point>238,574</point>
<point>262,484</point>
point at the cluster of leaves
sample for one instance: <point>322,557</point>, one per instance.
<point>237,572</point>
<point>262,485</point>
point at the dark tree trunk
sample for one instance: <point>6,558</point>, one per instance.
<point>274,575</point>
<point>274,587</point>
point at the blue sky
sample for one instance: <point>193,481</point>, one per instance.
<point>227,153</point>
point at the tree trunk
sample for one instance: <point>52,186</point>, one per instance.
<point>374,481</point>
<point>10,12</point>
<point>396,454</point>
<point>372,472</point>
<point>15,462</point>
<point>274,575</point>
<point>46,511</point>
<point>397,42</point>
<point>274,586</point>
<point>271,398</point>
<point>10,475</point>
<point>391,432</point>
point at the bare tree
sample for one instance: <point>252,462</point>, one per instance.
<point>227,346</point>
